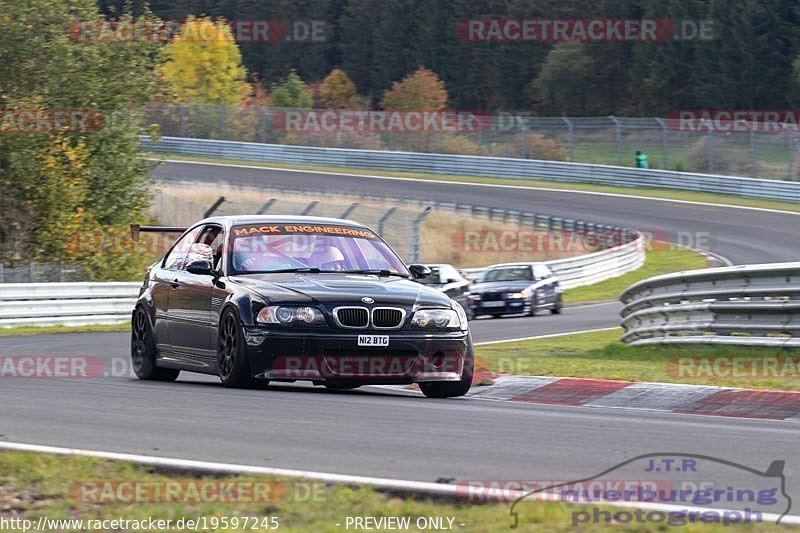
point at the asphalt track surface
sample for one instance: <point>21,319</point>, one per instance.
<point>371,431</point>
<point>398,434</point>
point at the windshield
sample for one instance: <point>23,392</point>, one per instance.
<point>288,247</point>
<point>508,274</point>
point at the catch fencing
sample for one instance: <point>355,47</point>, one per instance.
<point>594,140</point>
<point>756,305</point>
<point>75,304</point>
<point>509,168</point>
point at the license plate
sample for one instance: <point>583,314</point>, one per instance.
<point>373,340</point>
<point>494,304</point>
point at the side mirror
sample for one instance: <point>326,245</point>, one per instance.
<point>419,271</point>
<point>200,266</point>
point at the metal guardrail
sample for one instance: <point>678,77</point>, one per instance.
<point>67,304</point>
<point>478,166</point>
<point>756,305</point>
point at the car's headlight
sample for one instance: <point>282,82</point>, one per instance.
<point>280,314</point>
<point>475,297</point>
<point>438,319</point>
<point>515,295</point>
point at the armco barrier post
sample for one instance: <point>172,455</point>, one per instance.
<point>349,210</point>
<point>310,207</point>
<point>664,141</point>
<point>413,254</point>
<point>618,135</point>
<point>267,205</point>
<point>570,138</point>
<point>211,210</point>
<point>384,218</point>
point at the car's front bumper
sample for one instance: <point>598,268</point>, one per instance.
<point>286,355</point>
<point>499,307</point>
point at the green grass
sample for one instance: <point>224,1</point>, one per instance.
<point>41,330</point>
<point>662,258</point>
<point>45,485</point>
<point>601,355</point>
<point>665,194</point>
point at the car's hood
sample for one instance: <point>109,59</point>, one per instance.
<point>341,289</point>
<point>499,286</point>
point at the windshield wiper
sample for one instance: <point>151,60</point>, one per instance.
<point>376,272</point>
<point>304,270</point>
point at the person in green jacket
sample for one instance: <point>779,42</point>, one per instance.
<point>641,160</point>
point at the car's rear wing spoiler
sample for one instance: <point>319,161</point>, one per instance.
<point>136,229</point>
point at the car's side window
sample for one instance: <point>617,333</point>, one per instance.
<point>448,273</point>
<point>177,255</point>
<point>541,272</point>
<point>212,236</point>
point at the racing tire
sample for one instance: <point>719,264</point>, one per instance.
<point>447,389</point>
<point>232,366</point>
<point>144,351</point>
<point>558,307</point>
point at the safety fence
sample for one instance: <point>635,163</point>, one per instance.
<point>462,165</point>
<point>756,305</point>
<point>74,304</point>
<point>736,148</point>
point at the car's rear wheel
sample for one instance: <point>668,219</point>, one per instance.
<point>144,351</point>
<point>232,366</point>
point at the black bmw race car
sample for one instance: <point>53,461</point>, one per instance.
<point>255,299</point>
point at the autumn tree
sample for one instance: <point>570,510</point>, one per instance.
<point>337,91</point>
<point>55,184</point>
<point>291,92</point>
<point>203,65</point>
<point>421,90</point>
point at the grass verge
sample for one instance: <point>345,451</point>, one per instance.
<point>601,355</point>
<point>656,193</point>
<point>41,330</point>
<point>662,258</point>
<point>38,485</point>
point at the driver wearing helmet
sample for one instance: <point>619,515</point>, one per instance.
<point>327,258</point>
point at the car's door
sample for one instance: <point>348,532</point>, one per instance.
<point>190,310</point>
<point>165,283</point>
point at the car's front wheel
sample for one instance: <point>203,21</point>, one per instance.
<point>451,389</point>
<point>232,366</point>
<point>143,351</point>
